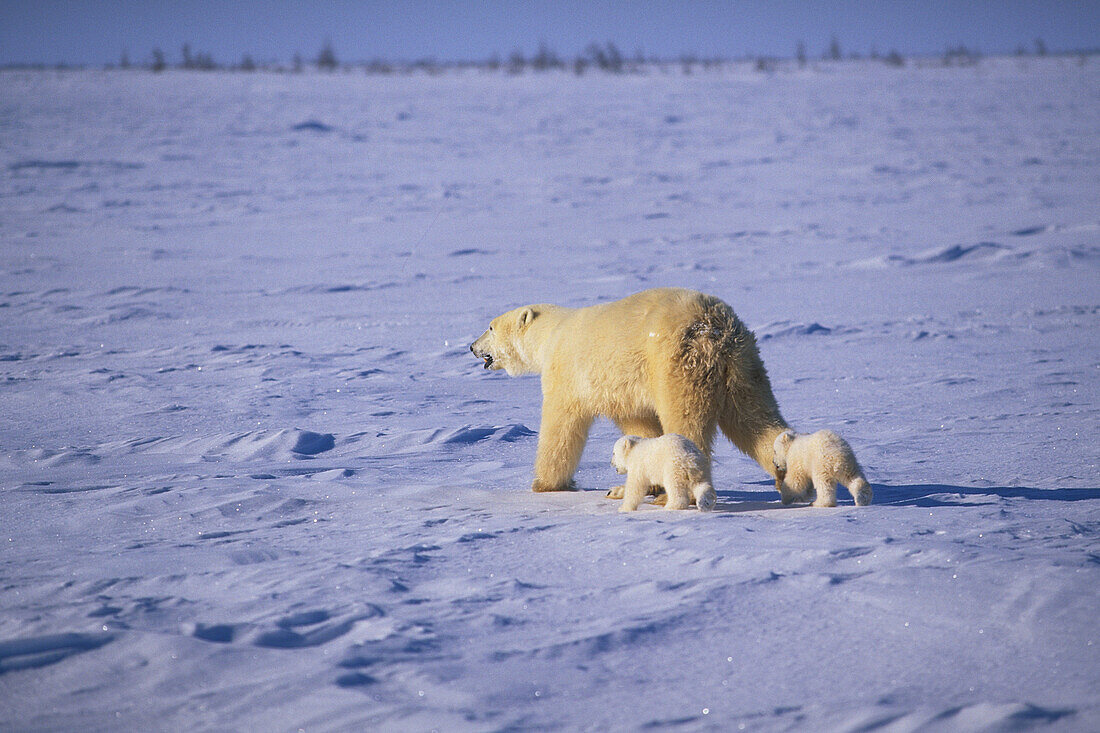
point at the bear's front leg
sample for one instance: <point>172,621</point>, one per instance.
<point>562,436</point>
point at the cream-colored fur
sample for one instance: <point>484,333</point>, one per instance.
<point>661,361</point>
<point>812,464</point>
<point>671,461</point>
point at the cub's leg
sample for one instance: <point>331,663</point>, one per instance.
<point>678,491</point>
<point>825,488</point>
<point>562,436</point>
<point>790,493</point>
<point>860,490</point>
<point>634,494</point>
<point>679,494</point>
<point>706,498</point>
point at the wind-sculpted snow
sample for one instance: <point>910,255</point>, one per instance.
<point>251,477</point>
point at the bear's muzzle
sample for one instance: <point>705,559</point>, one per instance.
<point>483,355</point>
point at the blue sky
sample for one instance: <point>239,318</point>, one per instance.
<point>98,31</point>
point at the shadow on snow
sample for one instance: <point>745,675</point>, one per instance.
<point>917,495</point>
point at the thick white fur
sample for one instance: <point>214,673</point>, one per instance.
<point>813,463</point>
<point>671,461</point>
<point>661,361</point>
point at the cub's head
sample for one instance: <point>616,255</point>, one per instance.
<point>780,447</point>
<point>509,343</point>
<point>622,449</point>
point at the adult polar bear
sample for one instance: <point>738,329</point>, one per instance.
<point>666,360</point>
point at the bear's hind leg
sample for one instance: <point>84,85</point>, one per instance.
<point>694,422</point>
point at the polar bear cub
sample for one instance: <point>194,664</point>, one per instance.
<point>671,461</point>
<point>815,462</point>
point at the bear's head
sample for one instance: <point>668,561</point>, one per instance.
<point>622,449</point>
<point>509,343</point>
<point>780,447</point>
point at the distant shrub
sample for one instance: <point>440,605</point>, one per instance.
<point>766,64</point>
<point>200,61</point>
<point>428,65</point>
<point>158,64</point>
<point>545,59</point>
<point>614,59</point>
<point>605,58</point>
<point>894,59</point>
<point>960,56</point>
<point>326,59</point>
<point>379,66</point>
<point>516,62</point>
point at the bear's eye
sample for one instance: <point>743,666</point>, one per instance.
<point>490,327</point>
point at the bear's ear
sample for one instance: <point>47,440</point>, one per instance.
<point>526,316</point>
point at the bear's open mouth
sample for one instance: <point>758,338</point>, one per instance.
<point>488,360</point>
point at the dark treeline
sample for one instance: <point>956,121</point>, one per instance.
<point>601,57</point>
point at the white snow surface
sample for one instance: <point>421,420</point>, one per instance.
<point>251,477</point>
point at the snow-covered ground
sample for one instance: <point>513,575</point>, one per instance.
<point>251,477</point>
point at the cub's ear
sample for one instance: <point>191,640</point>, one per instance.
<point>526,316</point>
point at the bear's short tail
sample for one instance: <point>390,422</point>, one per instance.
<point>705,496</point>
<point>860,490</point>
